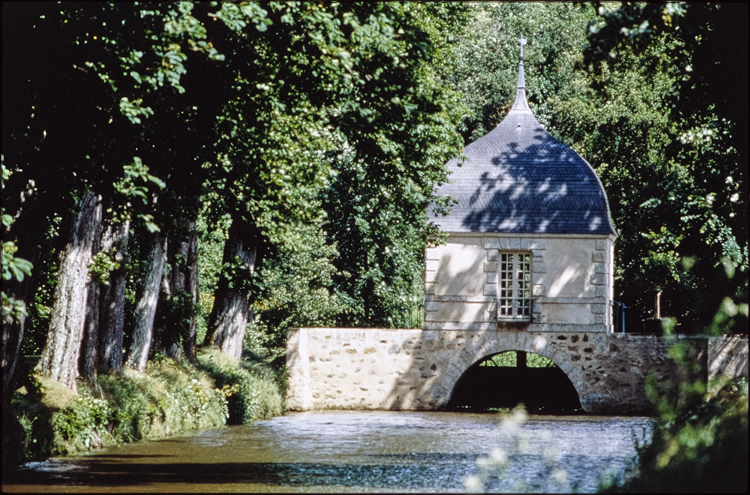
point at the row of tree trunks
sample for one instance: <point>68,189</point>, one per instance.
<point>145,310</point>
<point>59,359</point>
<point>226,325</point>
<point>87,322</point>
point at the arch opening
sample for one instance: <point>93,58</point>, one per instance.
<point>504,380</point>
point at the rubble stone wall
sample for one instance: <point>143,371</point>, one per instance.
<point>416,369</point>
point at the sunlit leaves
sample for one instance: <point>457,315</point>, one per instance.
<point>14,268</point>
<point>134,184</point>
<point>133,110</point>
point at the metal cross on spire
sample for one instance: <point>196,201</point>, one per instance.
<point>522,41</point>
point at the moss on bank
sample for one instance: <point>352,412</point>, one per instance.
<point>168,398</point>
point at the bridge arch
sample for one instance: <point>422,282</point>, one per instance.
<point>496,382</point>
<point>485,345</point>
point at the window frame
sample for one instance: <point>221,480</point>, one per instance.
<point>514,289</point>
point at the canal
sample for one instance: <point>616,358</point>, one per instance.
<point>370,451</point>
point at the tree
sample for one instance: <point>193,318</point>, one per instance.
<point>99,101</point>
<point>398,130</point>
<point>261,107</point>
<point>328,115</point>
<point>293,288</point>
<point>484,67</point>
<point>688,164</point>
<point>60,356</point>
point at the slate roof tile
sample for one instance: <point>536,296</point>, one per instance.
<point>519,179</point>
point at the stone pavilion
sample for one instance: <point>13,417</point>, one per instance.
<point>530,243</point>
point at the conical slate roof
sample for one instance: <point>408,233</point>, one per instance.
<point>519,179</point>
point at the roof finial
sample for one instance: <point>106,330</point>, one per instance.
<point>520,103</point>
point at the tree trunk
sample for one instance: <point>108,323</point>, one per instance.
<point>89,354</point>
<point>89,357</point>
<point>175,332</point>
<point>11,339</point>
<point>166,322</point>
<point>146,308</point>
<point>186,278</point>
<point>59,359</point>
<point>226,325</point>
<point>112,314</point>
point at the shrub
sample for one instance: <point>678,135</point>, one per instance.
<point>167,398</point>
<point>251,388</point>
<point>80,424</point>
<point>117,408</point>
<point>703,448</point>
<point>27,430</point>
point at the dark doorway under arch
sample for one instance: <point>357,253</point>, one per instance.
<point>504,380</point>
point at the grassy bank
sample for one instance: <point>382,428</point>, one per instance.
<point>169,398</point>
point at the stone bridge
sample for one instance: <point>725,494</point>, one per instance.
<point>415,369</point>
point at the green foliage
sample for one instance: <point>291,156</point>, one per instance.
<point>662,128</point>
<point>292,289</point>
<point>14,268</point>
<point>178,312</point>
<point>27,430</point>
<point>251,391</point>
<point>210,246</point>
<point>132,186</point>
<point>165,400</point>
<point>702,448</point>
<point>510,359</point>
<point>102,264</point>
<point>259,109</point>
<point>700,443</point>
<point>396,130</point>
<point>78,424</point>
<point>39,307</point>
<point>485,66</point>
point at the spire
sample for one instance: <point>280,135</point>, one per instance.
<point>521,103</point>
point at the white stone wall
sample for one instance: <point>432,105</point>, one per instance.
<point>415,369</point>
<point>572,281</point>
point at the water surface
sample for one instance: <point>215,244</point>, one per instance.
<point>370,451</point>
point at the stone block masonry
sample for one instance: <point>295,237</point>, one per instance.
<point>416,369</point>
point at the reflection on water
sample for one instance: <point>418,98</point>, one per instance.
<point>353,452</point>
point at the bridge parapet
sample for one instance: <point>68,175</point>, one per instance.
<point>416,369</point>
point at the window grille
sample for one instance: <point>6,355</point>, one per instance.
<point>514,301</point>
